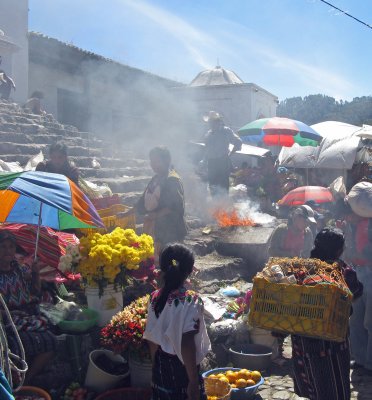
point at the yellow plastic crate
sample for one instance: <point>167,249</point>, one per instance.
<point>320,311</point>
<point>112,221</point>
<point>113,210</point>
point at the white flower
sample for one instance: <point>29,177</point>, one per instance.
<point>68,258</point>
<point>63,265</point>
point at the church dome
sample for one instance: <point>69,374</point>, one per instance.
<point>216,76</point>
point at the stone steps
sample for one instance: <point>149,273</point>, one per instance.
<point>88,172</point>
<point>23,135</point>
<point>124,184</point>
<point>29,148</point>
<point>79,161</point>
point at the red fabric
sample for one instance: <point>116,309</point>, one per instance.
<point>279,140</point>
<point>301,195</point>
<point>294,242</point>
<point>361,235</point>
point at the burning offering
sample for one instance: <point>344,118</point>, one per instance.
<point>232,218</point>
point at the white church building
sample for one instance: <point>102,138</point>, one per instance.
<point>103,96</point>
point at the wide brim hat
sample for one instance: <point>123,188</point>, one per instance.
<point>307,212</point>
<point>212,116</point>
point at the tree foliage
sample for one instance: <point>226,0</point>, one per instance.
<point>318,108</point>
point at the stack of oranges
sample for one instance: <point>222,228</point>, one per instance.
<point>238,379</point>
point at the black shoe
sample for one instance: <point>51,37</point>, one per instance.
<point>355,365</point>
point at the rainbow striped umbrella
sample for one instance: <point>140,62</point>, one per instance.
<point>278,131</point>
<point>63,205</point>
<point>45,199</point>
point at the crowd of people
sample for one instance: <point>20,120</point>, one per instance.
<point>176,331</point>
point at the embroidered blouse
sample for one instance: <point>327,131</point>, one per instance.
<point>16,288</point>
<point>182,313</point>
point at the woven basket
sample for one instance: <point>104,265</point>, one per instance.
<point>215,387</point>
<point>320,311</point>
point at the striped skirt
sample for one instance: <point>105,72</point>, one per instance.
<point>169,378</point>
<point>34,343</point>
<point>321,368</point>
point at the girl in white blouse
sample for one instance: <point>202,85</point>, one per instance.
<point>176,330</point>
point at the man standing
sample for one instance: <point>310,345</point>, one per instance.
<point>6,84</point>
<point>217,142</point>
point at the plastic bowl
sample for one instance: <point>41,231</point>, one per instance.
<point>237,394</point>
<point>80,326</point>
<point>126,394</point>
<point>251,356</point>
<point>32,391</point>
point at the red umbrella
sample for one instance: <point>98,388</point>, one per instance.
<point>52,245</point>
<point>304,194</point>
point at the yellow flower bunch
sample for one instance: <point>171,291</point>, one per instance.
<point>105,256</point>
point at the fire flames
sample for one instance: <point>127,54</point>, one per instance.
<point>231,218</point>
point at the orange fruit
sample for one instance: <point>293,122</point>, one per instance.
<point>233,385</point>
<point>241,383</point>
<point>256,376</point>
<point>230,375</point>
<point>212,376</point>
<point>244,374</point>
<point>224,379</point>
<point>250,382</point>
<point>220,376</point>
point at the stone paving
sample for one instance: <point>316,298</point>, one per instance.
<point>279,384</point>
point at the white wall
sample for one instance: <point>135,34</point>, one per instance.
<point>239,104</point>
<point>14,23</point>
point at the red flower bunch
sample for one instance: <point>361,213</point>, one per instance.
<point>145,272</point>
<point>126,328</point>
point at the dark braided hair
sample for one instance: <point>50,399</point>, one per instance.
<point>328,245</point>
<point>176,264</point>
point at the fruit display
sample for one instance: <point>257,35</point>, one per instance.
<point>238,379</point>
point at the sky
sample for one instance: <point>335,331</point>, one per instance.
<point>288,47</point>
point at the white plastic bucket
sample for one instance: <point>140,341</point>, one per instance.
<point>107,305</point>
<point>140,373</point>
<point>99,380</point>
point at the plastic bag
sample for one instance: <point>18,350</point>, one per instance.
<point>338,188</point>
<point>34,161</point>
<point>64,310</point>
<point>230,291</point>
<point>10,166</point>
<point>94,191</point>
<point>360,199</point>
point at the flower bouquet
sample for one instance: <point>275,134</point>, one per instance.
<point>105,259</point>
<point>126,328</point>
<point>68,264</point>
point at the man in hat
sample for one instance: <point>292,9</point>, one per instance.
<point>217,142</point>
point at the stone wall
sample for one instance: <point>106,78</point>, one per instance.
<point>112,100</point>
<point>14,23</point>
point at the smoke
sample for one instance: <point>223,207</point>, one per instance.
<point>129,108</point>
<point>251,209</point>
